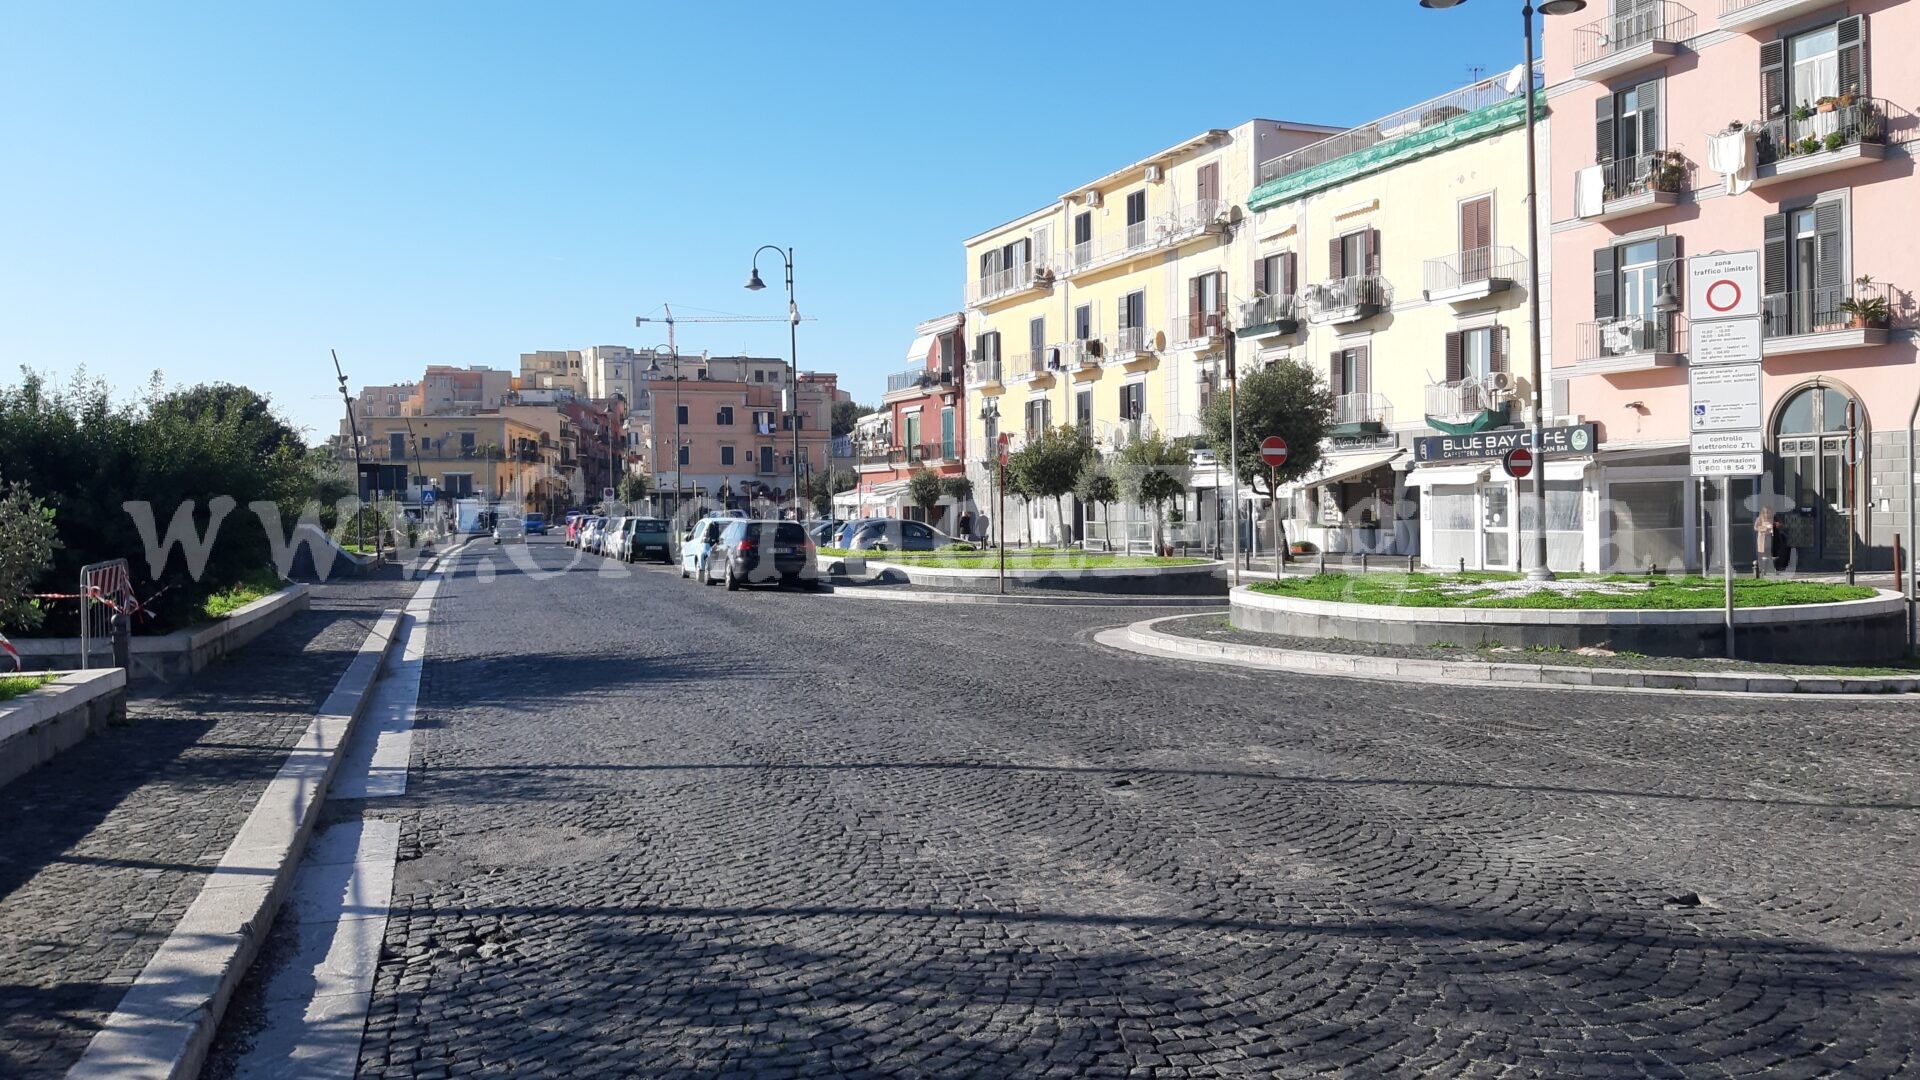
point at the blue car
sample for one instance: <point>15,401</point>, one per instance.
<point>536,524</point>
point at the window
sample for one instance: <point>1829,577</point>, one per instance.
<point>1083,409</point>
<point>1473,355</point>
<point>1273,275</point>
<point>1823,62</point>
<point>724,417</point>
<point>1627,279</point>
<point>950,353</point>
<point>986,347</point>
<point>1476,238</point>
<point>1136,208</point>
<point>1206,182</point>
<point>1803,269</point>
<point>1813,61</point>
<point>946,434</point>
<point>466,442</point>
<point>1347,371</point>
<point>1083,322</point>
<point>1355,254</point>
<point>760,375</point>
<point>1626,128</point>
<point>1037,337</point>
<point>913,430</point>
<point>680,414</point>
<point>396,446</point>
<point>1082,235</point>
<point>763,421</point>
<point>1639,279</point>
<point>726,454</point>
<point>766,459</point>
<point>1206,304</point>
<point>686,455</point>
<point>1039,416</point>
<point>1133,401</point>
<point>1132,310</point>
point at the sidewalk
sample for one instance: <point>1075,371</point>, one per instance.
<point>107,845</point>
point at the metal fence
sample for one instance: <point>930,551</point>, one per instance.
<point>1655,170</point>
<point>1813,128</point>
<point>106,590</point>
<point>1629,27</point>
<point>1341,294</point>
<point>1472,267</point>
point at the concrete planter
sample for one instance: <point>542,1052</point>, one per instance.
<point>182,652</point>
<point>1849,632</point>
<point>1197,579</point>
<point>39,724</point>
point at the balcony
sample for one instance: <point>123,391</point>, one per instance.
<point>1114,434</point>
<point>1204,217</point>
<point>1818,320</point>
<point>1629,40</point>
<point>1084,355</point>
<point>1642,184</point>
<point>1747,15</point>
<point>1033,276</point>
<point>1027,365</point>
<point>877,458</point>
<point>1206,326</point>
<point>1827,137</point>
<point>1348,299</point>
<point>918,378</point>
<point>1130,345</point>
<point>1360,414</point>
<point>1265,316</point>
<point>982,372</point>
<point>1628,344</point>
<point>1468,405</point>
<point>1470,275</point>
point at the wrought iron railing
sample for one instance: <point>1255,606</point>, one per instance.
<point>1869,305</point>
<point>1267,310</point>
<point>1178,224</point>
<point>1084,353</point>
<point>1629,336</point>
<point>1026,365</point>
<point>1655,170</point>
<point>1465,398</point>
<point>1016,278</point>
<point>1630,28</point>
<point>980,372</point>
<point>1817,127</point>
<point>1359,291</point>
<point>1472,267</point>
<point>908,379</point>
<point>1362,409</point>
<point>1129,341</point>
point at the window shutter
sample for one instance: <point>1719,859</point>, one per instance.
<point>1336,267</point>
<point>1603,306</point>
<point>1773,255</point>
<point>1456,367</point>
<point>1289,280</point>
<point>1667,250</point>
<point>1499,348</point>
<point>1852,35</point>
<point>1649,98</point>
<point>1373,251</point>
<point>1193,307</point>
<point>1122,305</point>
<point>1208,181</point>
<point>1260,277</point>
<point>1773,78</point>
<point>1023,252</point>
<point>1603,130</point>
<point>1362,378</point>
<point>1124,415</point>
<point>1827,227</point>
<point>1335,380</point>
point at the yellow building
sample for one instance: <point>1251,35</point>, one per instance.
<point>1392,258</point>
<point>1108,308</point>
<point>519,455</point>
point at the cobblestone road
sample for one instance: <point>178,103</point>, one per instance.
<point>659,829</point>
<point>103,848</point>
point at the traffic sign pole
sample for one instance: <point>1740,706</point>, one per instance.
<point>1279,545</point>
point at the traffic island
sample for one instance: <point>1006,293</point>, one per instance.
<point>1212,639</point>
<point>1064,572</point>
<point>1775,621</point>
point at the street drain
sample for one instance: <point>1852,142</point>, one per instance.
<point>1685,899</point>
<point>1120,783</point>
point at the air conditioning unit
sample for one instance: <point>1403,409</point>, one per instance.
<point>1091,198</point>
<point>1500,382</point>
<point>1154,174</point>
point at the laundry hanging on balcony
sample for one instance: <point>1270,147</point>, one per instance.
<point>1589,191</point>
<point>1731,154</point>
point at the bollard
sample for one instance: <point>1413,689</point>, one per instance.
<point>1363,562</point>
<point>1409,564</point>
<point>122,625</point>
<point>1463,564</point>
<point>1323,560</point>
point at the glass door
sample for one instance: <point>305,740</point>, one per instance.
<point>1496,521</point>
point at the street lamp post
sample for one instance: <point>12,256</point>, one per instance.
<point>653,372</point>
<point>1539,570</point>
<point>754,284</point>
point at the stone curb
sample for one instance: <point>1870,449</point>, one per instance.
<point>162,1028</point>
<point>39,724</point>
<point>1210,569</point>
<point>1026,599</point>
<point>184,652</point>
<point>1142,637</point>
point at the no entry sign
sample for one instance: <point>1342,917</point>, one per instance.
<point>1518,463</point>
<point>1273,451</point>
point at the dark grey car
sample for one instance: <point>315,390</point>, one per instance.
<point>752,552</point>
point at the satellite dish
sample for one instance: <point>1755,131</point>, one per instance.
<point>1514,78</point>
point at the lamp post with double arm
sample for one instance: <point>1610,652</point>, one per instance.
<point>1538,571</point>
<point>754,284</point>
<point>653,373</point>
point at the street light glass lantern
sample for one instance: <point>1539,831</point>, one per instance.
<point>754,284</point>
<point>1562,7</point>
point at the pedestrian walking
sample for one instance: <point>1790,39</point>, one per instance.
<point>966,525</point>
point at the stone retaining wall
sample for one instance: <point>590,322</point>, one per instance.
<point>1851,632</point>
<point>39,724</point>
<point>183,652</point>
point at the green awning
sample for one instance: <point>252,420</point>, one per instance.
<point>1454,131</point>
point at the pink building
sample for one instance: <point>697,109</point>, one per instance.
<point>921,424</point>
<point>1780,126</point>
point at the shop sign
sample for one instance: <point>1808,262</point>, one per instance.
<point>1572,439</point>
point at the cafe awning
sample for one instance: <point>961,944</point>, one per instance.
<point>1332,469</point>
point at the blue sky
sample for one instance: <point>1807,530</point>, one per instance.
<point>224,191</point>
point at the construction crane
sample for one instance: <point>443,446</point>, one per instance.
<point>670,320</point>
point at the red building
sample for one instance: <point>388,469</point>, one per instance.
<point>922,424</point>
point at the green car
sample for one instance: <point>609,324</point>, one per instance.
<point>648,536</point>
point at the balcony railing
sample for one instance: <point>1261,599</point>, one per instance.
<point>980,372</point>
<point>1815,128</point>
<point>1206,324</point>
<point>873,457</point>
<point>1129,342</point>
<point>1026,365</point>
<point>1356,409</point>
<point>1476,266</point>
<point>1353,297</point>
<point>1817,311</point>
<point>1178,225</point>
<point>918,377</point>
<point>1655,170</point>
<point>1016,278</point>
<point>1269,310</point>
<point>1409,121</point>
<point>1624,31</point>
<point>1085,354</point>
<point>1459,400</point>
<point>1630,336</point>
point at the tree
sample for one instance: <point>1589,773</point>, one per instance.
<point>1049,465</point>
<point>1153,469</point>
<point>634,488</point>
<point>834,482</point>
<point>1285,399</point>
<point>1095,485</point>
<point>923,490</point>
<point>845,413</point>
<point>27,543</point>
<point>1011,482</point>
<point>957,488</point>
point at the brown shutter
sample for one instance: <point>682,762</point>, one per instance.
<point>1193,308</point>
<point>1289,279</point>
<point>1456,366</point>
<point>1362,377</point>
<point>1335,381</point>
<point>1208,181</point>
<point>1499,348</point>
<point>1852,35</point>
<point>1773,78</point>
<point>1260,277</point>
<point>1336,267</point>
<point>1373,251</point>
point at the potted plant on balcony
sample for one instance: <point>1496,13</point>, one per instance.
<point>1801,112</point>
<point>1865,310</point>
<point>1809,145</point>
<point>1826,103</point>
<point>1835,140</point>
<point>1669,172</point>
<point>1847,99</point>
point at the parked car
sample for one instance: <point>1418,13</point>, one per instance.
<point>893,534</point>
<point>752,552</point>
<point>614,536</point>
<point>574,522</point>
<point>824,532</point>
<point>646,537</point>
<point>509,530</point>
<point>698,544</point>
<point>535,524</point>
<point>591,534</point>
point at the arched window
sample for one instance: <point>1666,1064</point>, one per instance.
<point>1810,434</point>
